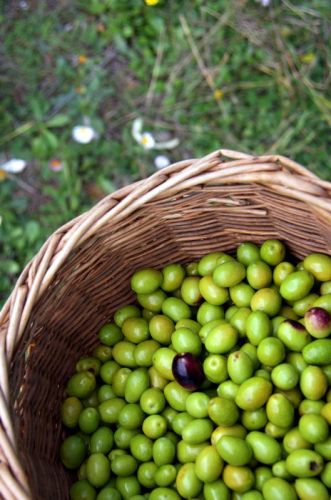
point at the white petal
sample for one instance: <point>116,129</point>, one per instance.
<point>137,126</point>
<point>171,144</point>
<point>83,134</point>
<point>147,140</point>
<point>161,161</point>
<point>14,166</point>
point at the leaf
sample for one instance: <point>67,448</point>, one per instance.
<point>59,120</point>
<point>50,139</point>
<point>32,230</point>
<point>9,266</point>
<point>40,148</point>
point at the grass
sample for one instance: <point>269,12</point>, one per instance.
<point>213,74</point>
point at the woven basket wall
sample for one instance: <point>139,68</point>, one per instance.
<point>81,276</point>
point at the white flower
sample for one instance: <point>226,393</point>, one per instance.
<point>83,134</point>
<point>161,161</point>
<point>265,3</point>
<point>23,5</point>
<point>147,140</point>
<point>13,166</point>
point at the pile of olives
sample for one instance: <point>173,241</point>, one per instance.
<point>215,384</point>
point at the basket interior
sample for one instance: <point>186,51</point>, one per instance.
<point>94,282</point>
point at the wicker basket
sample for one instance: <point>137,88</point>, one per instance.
<point>81,276</point>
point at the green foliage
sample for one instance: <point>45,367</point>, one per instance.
<point>211,73</point>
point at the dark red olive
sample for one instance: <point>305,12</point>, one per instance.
<point>187,371</point>
<point>318,322</point>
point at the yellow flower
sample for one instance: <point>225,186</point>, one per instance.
<point>218,94</point>
<point>151,2</point>
<point>3,175</point>
<point>82,59</point>
<point>307,58</point>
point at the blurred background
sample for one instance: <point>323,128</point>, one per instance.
<point>95,94</point>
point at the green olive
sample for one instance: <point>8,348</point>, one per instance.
<point>209,312</point>
<point>197,431</point>
<point>161,328</point>
<point>184,340</point>
<point>212,293</point>
<point>221,339</point>
<point>123,436</point>
<point>190,290</point>
<point>223,411</point>
<point>135,330</point>
<point>319,265</point>
<point>281,271</point>
<point>123,354</point>
<point>258,327</point>
<point>98,469</point>
<point>152,301</point>
<point>304,463</point>
<point>146,280</point>
<point>240,366</point>
<point>176,309</point>
<point>229,274</point>
<point>165,476</point>
<point>259,275</point>
<point>234,450</point>
<point>280,410</point>
<point>208,263</point>
<point>82,489</point>
<point>313,382</point>
<point>163,493</point>
<point>253,393</point>
<point>188,484</point>
<point>128,486</point>
<point>173,275</point>
<point>296,285</point>
<point>72,452</point>
<point>144,351</point>
<point>124,312</point>
<point>273,252</point>
<point>208,464</point>
<point>164,451</point>
<point>71,408</point>
<point>267,300</point>
<point>277,488</point>
<point>188,452</point>
<point>265,448</point>
<point>247,253</point>
<point>314,428</point>
<point>238,478</point>
<point>311,489</point>
<point>81,384</point>
<point>293,440</point>
<point>131,416</point>
<point>136,384</point>
<point>141,447</point>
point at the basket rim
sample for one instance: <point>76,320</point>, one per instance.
<point>281,174</point>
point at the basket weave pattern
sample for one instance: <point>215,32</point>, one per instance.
<point>81,276</point>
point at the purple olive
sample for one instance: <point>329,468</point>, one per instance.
<point>318,322</point>
<point>187,371</point>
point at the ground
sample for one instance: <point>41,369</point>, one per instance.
<point>210,74</point>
